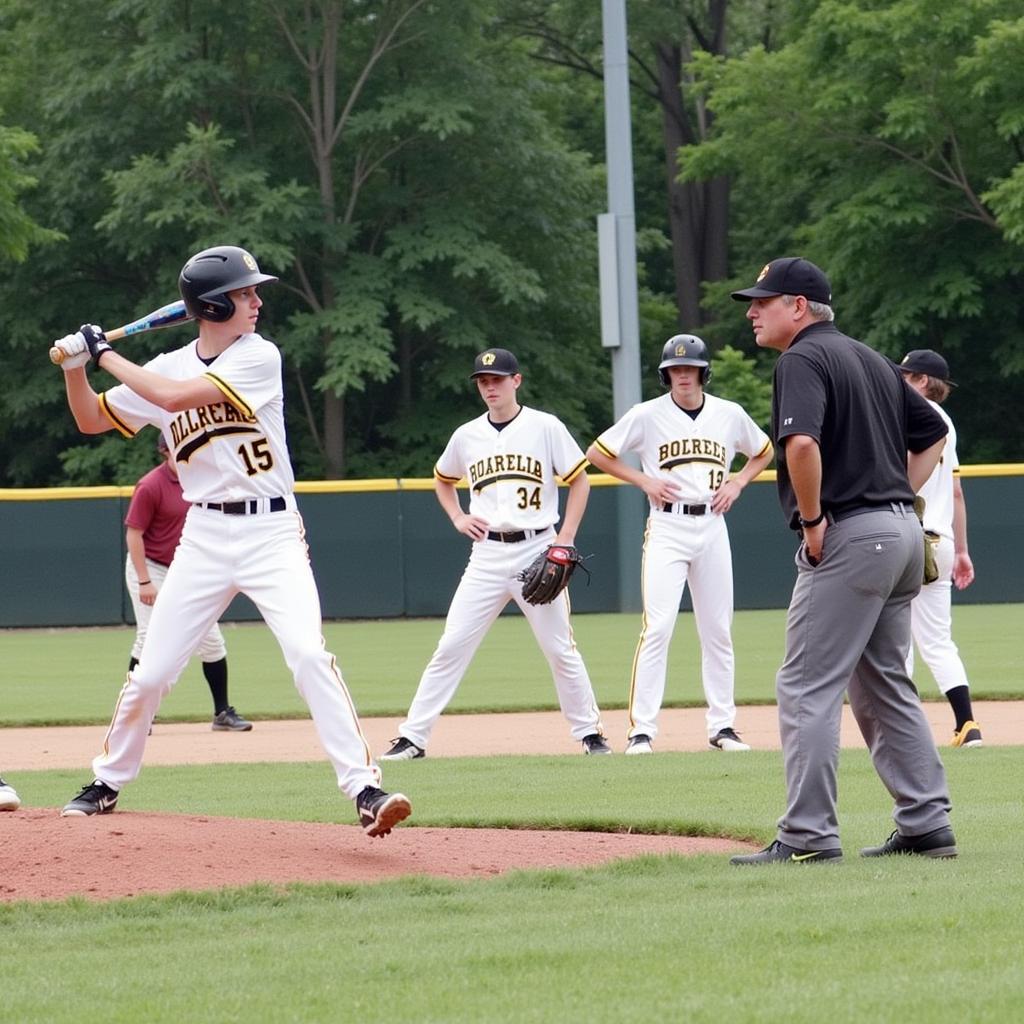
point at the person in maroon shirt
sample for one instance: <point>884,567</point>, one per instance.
<point>153,527</point>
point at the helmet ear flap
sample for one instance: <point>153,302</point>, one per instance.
<point>663,377</point>
<point>705,375</point>
<point>217,308</point>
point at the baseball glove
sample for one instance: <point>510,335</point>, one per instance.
<point>549,573</point>
<point>931,569</point>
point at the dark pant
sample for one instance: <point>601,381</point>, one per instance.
<point>847,631</point>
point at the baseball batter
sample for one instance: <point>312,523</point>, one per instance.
<point>686,441</point>
<point>511,457</point>
<point>219,403</point>
<point>945,523</point>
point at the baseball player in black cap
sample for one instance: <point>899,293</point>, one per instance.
<point>512,457</point>
<point>843,422</point>
<point>945,524</point>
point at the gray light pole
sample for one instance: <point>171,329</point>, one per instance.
<point>620,317</point>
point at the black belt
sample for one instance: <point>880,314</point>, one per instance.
<point>512,537</point>
<point>243,508</point>
<point>685,510</point>
<point>860,510</point>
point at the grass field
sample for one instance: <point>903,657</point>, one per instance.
<point>687,939</point>
<point>669,939</point>
<point>56,677</point>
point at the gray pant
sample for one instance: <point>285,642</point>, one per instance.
<point>848,630</point>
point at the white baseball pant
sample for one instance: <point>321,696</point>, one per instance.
<point>931,624</point>
<point>681,550</point>
<point>265,557</point>
<point>487,585</point>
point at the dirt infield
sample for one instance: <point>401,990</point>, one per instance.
<point>120,855</point>
<point>127,854</point>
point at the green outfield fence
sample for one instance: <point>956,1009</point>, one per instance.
<point>384,548</point>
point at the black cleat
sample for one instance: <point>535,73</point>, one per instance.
<point>96,798</point>
<point>727,739</point>
<point>229,720</point>
<point>938,843</point>
<point>595,744</point>
<point>402,750</point>
<point>379,812</point>
<point>780,853</point>
<point>639,744</point>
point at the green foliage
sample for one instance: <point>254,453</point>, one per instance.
<point>415,210</point>
<point>418,210</point>
<point>883,141</point>
<point>736,377</point>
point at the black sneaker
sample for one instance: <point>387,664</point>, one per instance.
<point>379,812</point>
<point>780,853</point>
<point>595,744</point>
<point>96,798</point>
<point>938,843</point>
<point>402,750</point>
<point>639,744</point>
<point>726,739</point>
<point>229,720</point>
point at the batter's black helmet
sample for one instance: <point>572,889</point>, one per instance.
<point>685,350</point>
<point>209,275</point>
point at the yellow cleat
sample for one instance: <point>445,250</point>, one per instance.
<point>968,736</point>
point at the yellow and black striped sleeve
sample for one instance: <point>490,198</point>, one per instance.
<point>231,395</point>
<point>580,467</point>
<point>119,424</point>
<point>438,475</point>
<point>605,450</point>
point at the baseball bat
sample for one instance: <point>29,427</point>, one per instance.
<point>166,316</point>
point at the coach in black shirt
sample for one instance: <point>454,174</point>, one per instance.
<point>853,444</point>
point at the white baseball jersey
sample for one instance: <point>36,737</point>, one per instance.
<point>228,450</point>
<point>512,472</point>
<point>938,489</point>
<point>694,453</point>
<point>231,451</point>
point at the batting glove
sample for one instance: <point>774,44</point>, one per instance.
<point>96,340</point>
<point>76,351</point>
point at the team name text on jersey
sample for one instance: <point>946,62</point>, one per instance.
<point>691,449</point>
<point>498,467</point>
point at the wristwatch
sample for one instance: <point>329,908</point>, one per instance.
<point>806,524</point>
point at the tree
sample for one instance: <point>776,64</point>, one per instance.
<point>884,141</point>
<point>664,39</point>
<point>416,210</point>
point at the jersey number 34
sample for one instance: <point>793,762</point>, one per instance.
<point>528,498</point>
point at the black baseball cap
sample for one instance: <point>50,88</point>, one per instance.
<point>496,361</point>
<point>924,360</point>
<point>791,275</point>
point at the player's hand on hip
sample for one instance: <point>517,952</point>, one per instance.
<point>725,497</point>
<point>75,349</point>
<point>471,526</point>
<point>661,491</point>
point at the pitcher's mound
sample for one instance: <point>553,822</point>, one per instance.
<point>130,853</point>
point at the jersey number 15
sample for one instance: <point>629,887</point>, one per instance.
<point>257,456</point>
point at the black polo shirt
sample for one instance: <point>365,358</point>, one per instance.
<point>865,417</point>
